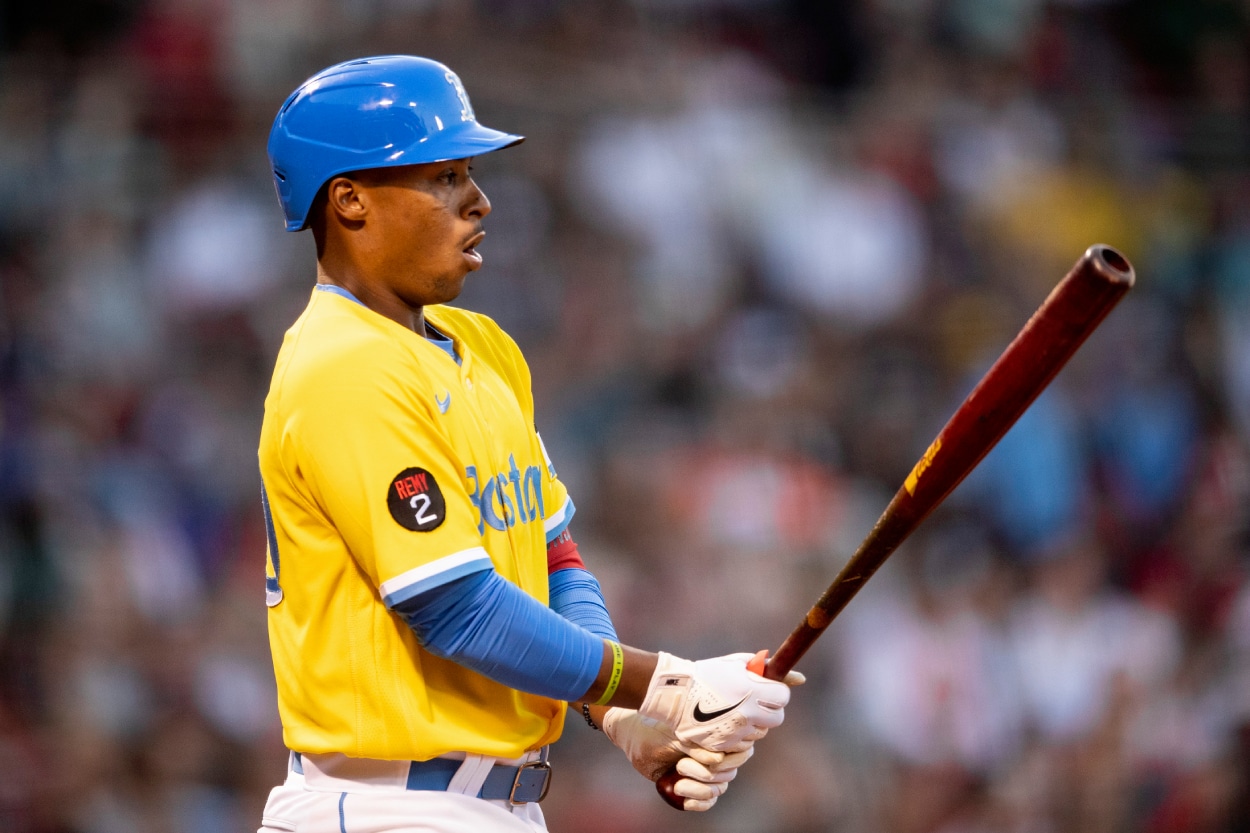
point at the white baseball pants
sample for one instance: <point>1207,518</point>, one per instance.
<point>319,802</point>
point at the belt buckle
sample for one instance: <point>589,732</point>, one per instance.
<point>542,764</point>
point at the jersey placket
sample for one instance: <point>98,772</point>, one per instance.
<point>486,435</point>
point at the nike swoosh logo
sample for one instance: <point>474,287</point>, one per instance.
<point>443,402</point>
<point>703,717</point>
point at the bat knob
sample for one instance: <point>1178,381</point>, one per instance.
<point>665,786</point>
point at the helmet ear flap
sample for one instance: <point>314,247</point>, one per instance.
<point>281,187</point>
<point>316,215</point>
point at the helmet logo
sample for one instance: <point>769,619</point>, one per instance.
<point>466,109</point>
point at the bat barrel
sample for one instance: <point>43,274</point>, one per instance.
<point>1061,324</point>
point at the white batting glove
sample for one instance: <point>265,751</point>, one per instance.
<point>716,704</point>
<point>652,748</point>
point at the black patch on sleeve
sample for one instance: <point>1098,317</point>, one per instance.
<point>415,500</point>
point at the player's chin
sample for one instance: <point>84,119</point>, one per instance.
<point>450,281</point>
<point>450,287</point>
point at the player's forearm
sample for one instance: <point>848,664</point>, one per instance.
<point>637,669</point>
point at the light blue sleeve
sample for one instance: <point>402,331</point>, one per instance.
<point>577,596</point>
<point>489,625</point>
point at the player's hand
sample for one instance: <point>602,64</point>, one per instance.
<point>653,749</point>
<point>717,704</point>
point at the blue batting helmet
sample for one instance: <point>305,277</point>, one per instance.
<point>371,113</point>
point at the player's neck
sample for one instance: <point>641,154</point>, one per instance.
<point>384,303</point>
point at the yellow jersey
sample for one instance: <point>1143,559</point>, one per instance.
<point>389,468</point>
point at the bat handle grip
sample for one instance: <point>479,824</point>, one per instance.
<point>666,783</point>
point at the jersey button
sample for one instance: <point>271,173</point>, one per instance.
<point>468,383</point>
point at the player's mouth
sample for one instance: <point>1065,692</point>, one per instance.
<point>470,250</point>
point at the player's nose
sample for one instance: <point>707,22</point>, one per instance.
<point>476,205</point>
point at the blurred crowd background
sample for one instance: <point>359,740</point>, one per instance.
<point>756,251</point>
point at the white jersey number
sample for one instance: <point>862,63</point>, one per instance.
<point>424,516</point>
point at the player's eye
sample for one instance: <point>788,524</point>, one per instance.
<point>449,176</point>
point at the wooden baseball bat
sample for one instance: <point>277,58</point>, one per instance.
<point>1061,324</point>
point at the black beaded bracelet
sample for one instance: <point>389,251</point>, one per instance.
<point>586,714</point>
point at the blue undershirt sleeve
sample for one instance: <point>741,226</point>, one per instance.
<point>489,625</point>
<point>577,596</point>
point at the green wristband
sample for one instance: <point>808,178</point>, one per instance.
<point>618,668</point>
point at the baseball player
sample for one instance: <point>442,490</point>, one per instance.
<point>430,617</point>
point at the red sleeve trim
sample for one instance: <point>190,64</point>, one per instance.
<point>562,554</point>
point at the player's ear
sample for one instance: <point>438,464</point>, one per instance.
<point>346,199</point>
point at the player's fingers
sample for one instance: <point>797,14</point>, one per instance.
<point>771,714</point>
<point>692,806</point>
<point>794,678</point>
<point>706,757</point>
<point>721,761</point>
<point>706,777</point>
<point>699,790</point>
<point>734,760</point>
<point>691,768</point>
